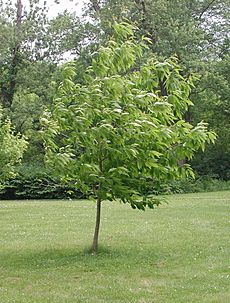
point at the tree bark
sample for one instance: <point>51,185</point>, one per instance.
<point>97,226</point>
<point>16,56</point>
<point>19,17</point>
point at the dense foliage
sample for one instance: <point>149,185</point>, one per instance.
<point>39,186</point>
<point>12,147</point>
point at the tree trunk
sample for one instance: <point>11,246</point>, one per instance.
<point>16,55</point>
<point>97,226</point>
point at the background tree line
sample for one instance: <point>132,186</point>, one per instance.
<point>33,48</point>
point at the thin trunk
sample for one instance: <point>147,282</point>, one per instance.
<point>205,9</point>
<point>188,119</point>
<point>97,226</point>
<point>16,54</point>
<point>19,17</point>
<point>8,89</point>
<point>163,89</point>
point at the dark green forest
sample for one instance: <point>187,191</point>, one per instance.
<point>33,52</point>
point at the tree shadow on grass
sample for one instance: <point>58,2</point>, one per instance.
<point>69,257</point>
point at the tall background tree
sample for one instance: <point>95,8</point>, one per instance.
<point>32,48</point>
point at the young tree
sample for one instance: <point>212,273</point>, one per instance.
<point>117,133</point>
<point>12,147</point>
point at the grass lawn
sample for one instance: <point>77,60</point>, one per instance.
<point>179,252</point>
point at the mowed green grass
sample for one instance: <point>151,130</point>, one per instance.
<point>179,252</point>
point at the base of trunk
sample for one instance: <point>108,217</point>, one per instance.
<point>97,227</point>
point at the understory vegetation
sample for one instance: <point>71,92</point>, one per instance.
<point>42,186</point>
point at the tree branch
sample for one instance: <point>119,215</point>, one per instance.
<point>96,5</point>
<point>204,10</point>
